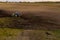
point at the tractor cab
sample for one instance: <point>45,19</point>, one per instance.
<point>16,14</point>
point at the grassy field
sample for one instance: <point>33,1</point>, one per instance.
<point>30,6</point>
<point>9,31</point>
<point>36,20</point>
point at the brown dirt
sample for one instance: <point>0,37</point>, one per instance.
<point>44,15</point>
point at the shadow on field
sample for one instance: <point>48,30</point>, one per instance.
<point>27,21</point>
<point>4,13</point>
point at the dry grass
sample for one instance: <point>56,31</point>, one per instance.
<point>30,6</point>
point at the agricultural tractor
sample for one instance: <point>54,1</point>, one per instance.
<point>16,14</point>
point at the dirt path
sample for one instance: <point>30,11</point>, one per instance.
<point>24,35</point>
<point>34,35</point>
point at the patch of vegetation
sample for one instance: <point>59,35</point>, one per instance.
<point>9,33</point>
